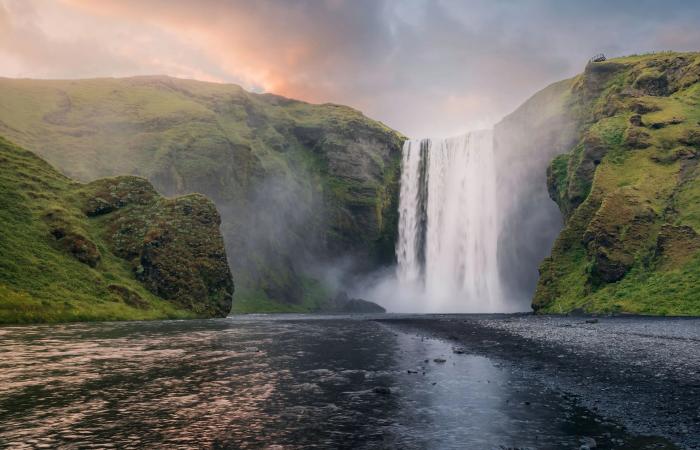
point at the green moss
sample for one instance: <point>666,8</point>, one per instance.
<point>675,292</point>
<point>558,179</point>
<point>687,203</point>
<point>41,278</point>
<point>611,255</point>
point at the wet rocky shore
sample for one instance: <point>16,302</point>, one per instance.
<point>642,372</point>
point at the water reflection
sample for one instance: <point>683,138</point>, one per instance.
<point>256,382</point>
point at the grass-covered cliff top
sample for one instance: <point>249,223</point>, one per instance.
<point>105,118</point>
<point>108,250</point>
<point>629,190</point>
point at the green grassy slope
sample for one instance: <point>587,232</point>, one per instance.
<point>61,261</point>
<point>293,181</point>
<point>629,190</point>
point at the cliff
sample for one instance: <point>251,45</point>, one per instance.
<point>627,185</point>
<point>297,184</point>
<point>112,249</point>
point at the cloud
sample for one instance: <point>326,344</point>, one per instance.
<point>423,67</point>
<point>48,40</point>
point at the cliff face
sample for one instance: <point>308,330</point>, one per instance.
<point>524,144</point>
<point>113,249</point>
<point>295,183</point>
<point>629,190</point>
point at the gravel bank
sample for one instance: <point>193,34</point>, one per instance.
<point>642,372</point>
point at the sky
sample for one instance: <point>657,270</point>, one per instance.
<point>426,68</point>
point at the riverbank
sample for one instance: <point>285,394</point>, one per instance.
<point>642,372</point>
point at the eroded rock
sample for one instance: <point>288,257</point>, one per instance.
<point>617,232</point>
<point>173,245</point>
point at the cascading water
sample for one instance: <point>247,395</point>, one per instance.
<point>448,224</point>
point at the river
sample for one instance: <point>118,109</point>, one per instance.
<point>271,382</point>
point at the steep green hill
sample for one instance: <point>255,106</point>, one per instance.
<point>110,250</point>
<point>296,184</point>
<point>629,190</point>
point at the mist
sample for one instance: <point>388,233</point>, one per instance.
<point>275,234</point>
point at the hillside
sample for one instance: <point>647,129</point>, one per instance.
<point>296,184</point>
<point>112,249</point>
<point>628,188</point>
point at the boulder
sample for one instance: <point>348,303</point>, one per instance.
<point>173,245</point>
<point>344,304</point>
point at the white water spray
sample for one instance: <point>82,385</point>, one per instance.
<point>448,224</point>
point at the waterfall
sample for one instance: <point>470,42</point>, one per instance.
<point>448,224</point>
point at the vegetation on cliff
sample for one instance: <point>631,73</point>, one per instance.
<point>629,190</point>
<point>294,182</point>
<point>112,249</point>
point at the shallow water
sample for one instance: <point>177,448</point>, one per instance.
<point>266,381</point>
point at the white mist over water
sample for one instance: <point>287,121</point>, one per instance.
<point>448,226</point>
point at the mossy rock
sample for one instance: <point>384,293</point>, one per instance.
<point>637,138</point>
<point>173,245</point>
<point>652,82</point>
<point>107,195</point>
<point>62,260</point>
<point>676,246</point>
<point>617,232</point>
<point>128,296</point>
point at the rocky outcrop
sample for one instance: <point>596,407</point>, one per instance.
<point>130,297</point>
<point>113,249</point>
<point>676,246</point>
<point>652,82</point>
<point>616,234</point>
<point>173,245</point>
<point>637,139</point>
